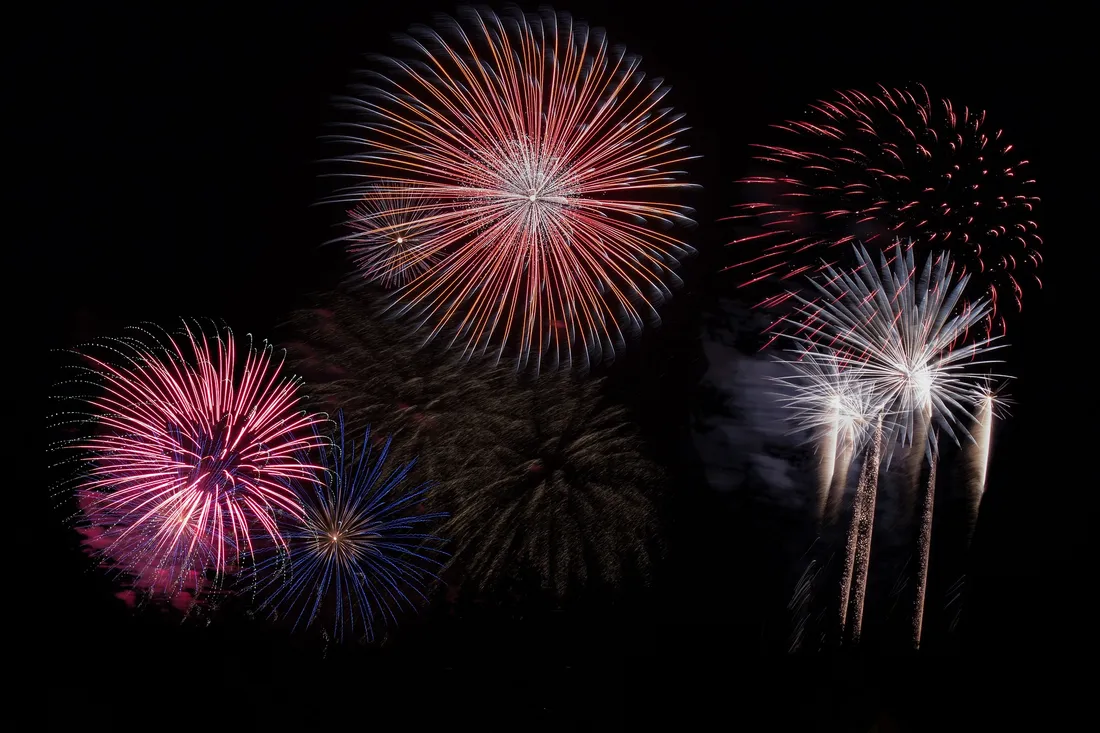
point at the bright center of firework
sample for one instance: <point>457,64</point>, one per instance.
<point>920,384</point>
<point>214,467</point>
<point>525,174</point>
<point>400,240</point>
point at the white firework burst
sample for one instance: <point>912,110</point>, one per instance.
<point>897,328</point>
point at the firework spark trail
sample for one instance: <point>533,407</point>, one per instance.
<point>849,562</point>
<point>839,485</point>
<point>545,153</point>
<point>924,544</point>
<point>826,467</point>
<point>800,605</point>
<point>914,468</point>
<point>865,497</point>
<point>186,468</point>
<point>978,459</point>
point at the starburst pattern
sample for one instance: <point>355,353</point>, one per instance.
<point>389,237</point>
<point>358,361</point>
<point>823,392</point>
<point>361,553</point>
<point>873,167</point>
<point>904,330</point>
<point>559,488</point>
<point>547,155</point>
<point>189,456</point>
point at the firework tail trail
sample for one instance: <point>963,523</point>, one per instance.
<point>923,547</point>
<point>914,466</point>
<point>827,468</point>
<point>978,463</point>
<point>839,482</point>
<point>849,563</point>
<point>865,495</point>
<point>856,527</point>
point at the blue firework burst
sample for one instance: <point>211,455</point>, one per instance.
<point>362,552</point>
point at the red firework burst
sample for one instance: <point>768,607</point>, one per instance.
<point>191,457</point>
<point>543,153</point>
<point>883,167</point>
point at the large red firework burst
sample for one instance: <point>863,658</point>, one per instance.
<point>545,154</point>
<point>888,166</point>
<point>191,457</point>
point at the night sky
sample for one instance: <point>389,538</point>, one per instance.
<point>178,159</point>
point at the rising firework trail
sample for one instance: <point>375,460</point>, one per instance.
<point>866,494</point>
<point>924,546</point>
<point>978,459</point>
<point>188,454</point>
<point>548,159</point>
<point>896,163</point>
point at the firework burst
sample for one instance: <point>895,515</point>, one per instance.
<point>388,243</point>
<point>545,154</point>
<point>870,168</point>
<point>359,362</point>
<point>558,487</point>
<point>837,406</point>
<point>903,328</point>
<point>359,554</point>
<point>189,456</point>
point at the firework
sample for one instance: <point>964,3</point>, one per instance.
<point>557,486</point>
<point>895,331</point>
<point>977,456</point>
<point>835,405</point>
<point>359,362</point>
<point>870,168</point>
<point>360,553</point>
<point>924,548</point>
<point>121,547</point>
<point>545,154</point>
<point>866,494</point>
<point>389,236</point>
<point>189,456</point>
<point>899,328</point>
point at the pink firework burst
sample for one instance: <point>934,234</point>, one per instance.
<point>876,168</point>
<point>389,243</point>
<point>191,458</point>
<point>546,155</point>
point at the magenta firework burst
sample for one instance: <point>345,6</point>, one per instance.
<point>550,164</point>
<point>873,168</point>
<point>190,455</point>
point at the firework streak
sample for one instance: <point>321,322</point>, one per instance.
<point>924,543</point>
<point>978,459</point>
<point>544,154</point>
<point>866,494</point>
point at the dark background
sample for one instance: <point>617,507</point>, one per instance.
<point>176,154</point>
